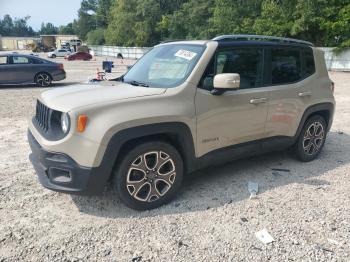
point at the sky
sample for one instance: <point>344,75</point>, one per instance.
<point>58,12</point>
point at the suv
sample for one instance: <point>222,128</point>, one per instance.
<point>59,53</point>
<point>183,106</point>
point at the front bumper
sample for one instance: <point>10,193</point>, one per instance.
<point>59,172</point>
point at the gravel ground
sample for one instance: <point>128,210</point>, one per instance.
<point>307,211</point>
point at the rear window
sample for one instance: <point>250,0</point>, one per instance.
<point>286,66</point>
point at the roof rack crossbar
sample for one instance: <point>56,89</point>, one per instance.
<point>262,37</point>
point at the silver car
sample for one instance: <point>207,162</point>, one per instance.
<point>28,69</point>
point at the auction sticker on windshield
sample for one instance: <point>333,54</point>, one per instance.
<point>188,55</point>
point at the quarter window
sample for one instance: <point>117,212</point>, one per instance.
<point>285,67</point>
<point>309,63</point>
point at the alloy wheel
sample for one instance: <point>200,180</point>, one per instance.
<point>150,176</point>
<point>313,138</point>
<point>43,79</point>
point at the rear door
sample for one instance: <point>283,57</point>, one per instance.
<point>291,76</point>
<point>22,69</point>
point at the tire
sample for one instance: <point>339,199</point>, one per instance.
<point>149,175</point>
<point>53,56</point>
<point>311,139</point>
<point>120,56</point>
<point>43,79</point>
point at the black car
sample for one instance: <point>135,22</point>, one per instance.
<point>27,69</point>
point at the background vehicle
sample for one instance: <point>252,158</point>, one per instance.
<point>79,56</point>
<point>183,106</point>
<point>59,53</point>
<point>27,69</point>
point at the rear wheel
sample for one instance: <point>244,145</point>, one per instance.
<point>149,176</point>
<point>311,139</point>
<point>43,79</point>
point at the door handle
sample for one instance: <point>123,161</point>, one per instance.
<point>304,94</point>
<point>258,101</point>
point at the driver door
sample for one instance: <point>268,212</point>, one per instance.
<point>234,117</point>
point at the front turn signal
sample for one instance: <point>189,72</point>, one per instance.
<point>82,120</point>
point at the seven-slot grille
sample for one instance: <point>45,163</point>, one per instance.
<point>42,115</point>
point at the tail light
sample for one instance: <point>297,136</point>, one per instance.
<point>60,66</point>
<point>332,87</point>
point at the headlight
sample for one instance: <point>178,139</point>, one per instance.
<point>65,122</point>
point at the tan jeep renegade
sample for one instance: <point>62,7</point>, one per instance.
<point>181,107</point>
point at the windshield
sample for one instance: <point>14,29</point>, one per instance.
<point>165,66</point>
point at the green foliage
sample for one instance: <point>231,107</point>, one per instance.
<point>68,29</point>
<point>87,20</point>
<point>148,22</point>
<point>191,21</point>
<point>48,29</point>
<point>96,37</point>
<point>15,27</point>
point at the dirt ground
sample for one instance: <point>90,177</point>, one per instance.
<point>307,211</point>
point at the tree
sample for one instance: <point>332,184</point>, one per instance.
<point>234,16</point>
<point>102,12</point>
<point>190,22</point>
<point>67,29</point>
<point>276,18</point>
<point>48,29</point>
<point>120,29</point>
<point>6,25</point>
<point>15,27</point>
<point>87,18</point>
<point>96,37</point>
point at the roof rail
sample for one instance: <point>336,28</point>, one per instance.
<point>173,40</point>
<point>262,37</point>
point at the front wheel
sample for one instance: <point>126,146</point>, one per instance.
<point>43,79</point>
<point>311,139</point>
<point>149,176</point>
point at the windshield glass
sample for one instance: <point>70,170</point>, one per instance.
<point>165,66</point>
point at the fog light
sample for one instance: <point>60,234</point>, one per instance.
<point>60,175</point>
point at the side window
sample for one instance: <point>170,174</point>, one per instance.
<point>285,66</point>
<point>309,63</point>
<point>36,61</point>
<point>20,60</point>
<point>247,62</point>
<point>3,60</point>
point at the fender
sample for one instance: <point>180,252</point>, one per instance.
<point>178,131</point>
<point>327,107</point>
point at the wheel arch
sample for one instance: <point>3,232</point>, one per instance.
<point>42,72</point>
<point>326,110</point>
<point>177,134</point>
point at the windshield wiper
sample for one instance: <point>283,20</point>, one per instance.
<point>136,83</point>
<point>118,79</point>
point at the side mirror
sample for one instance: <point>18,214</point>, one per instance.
<point>228,81</point>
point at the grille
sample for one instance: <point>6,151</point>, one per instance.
<point>42,115</point>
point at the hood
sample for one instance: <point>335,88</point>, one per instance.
<point>67,98</point>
